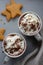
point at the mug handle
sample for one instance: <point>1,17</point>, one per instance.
<point>6,59</point>
<point>38,37</point>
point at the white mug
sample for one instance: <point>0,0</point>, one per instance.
<point>36,33</point>
<point>6,59</point>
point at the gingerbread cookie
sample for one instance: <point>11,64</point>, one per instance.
<point>2,31</point>
<point>12,10</point>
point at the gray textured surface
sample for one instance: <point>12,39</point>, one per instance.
<point>28,5</point>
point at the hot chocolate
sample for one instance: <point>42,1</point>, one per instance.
<point>29,23</point>
<point>14,45</point>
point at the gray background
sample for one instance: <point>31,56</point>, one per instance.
<point>12,26</point>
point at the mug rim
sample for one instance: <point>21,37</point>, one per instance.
<point>19,54</point>
<point>34,33</point>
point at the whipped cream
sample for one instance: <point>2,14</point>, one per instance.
<point>31,18</point>
<point>11,40</point>
<point>14,44</point>
<point>29,23</point>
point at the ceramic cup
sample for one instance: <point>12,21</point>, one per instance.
<point>9,56</point>
<point>36,33</point>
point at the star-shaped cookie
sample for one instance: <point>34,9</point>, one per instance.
<point>12,10</point>
<point>2,31</point>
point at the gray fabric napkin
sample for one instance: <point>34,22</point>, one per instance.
<point>37,60</point>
